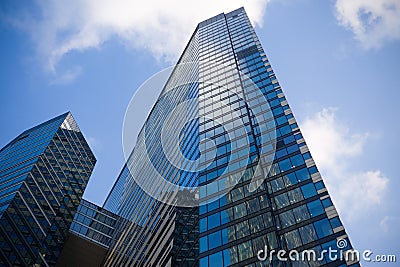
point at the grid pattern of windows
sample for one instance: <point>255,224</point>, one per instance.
<point>43,174</point>
<point>94,223</point>
<point>291,208</point>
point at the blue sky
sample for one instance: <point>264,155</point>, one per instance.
<point>337,61</point>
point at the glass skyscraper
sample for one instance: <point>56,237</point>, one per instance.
<point>240,179</point>
<point>43,173</point>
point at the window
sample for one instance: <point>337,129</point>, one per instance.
<point>295,195</point>
<point>215,260</point>
<point>204,262</point>
<point>214,221</point>
<point>287,219</point>
<point>319,185</point>
<point>323,228</point>
<point>225,218</point>
<point>285,165</point>
<point>277,185</point>
<point>242,229</point>
<point>307,233</point>
<point>203,225</point>
<point>240,210</point>
<point>303,175</point>
<point>290,179</point>
<point>335,222</point>
<point>256,224</point>
<point>301,213</point>
<point>230,256</point>
<point>308,190</point>
<point>203,244</point>
<point>245,251</point>
<point>214,240</point>
<point>297,160</point>
<point>315,208</point>
<point>293,239</point>
<point>253,204</point>
<point>327,202</point>
<point>281,200</point>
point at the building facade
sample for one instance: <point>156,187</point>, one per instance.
<point>258,188</point>
<point>43,174</point>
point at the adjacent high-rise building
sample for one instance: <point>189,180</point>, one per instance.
<point>220,174</point>
<point>43,174</point>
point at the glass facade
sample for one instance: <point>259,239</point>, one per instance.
<point>256,141</point>
<point>43,173</point>
<point>94,223</point>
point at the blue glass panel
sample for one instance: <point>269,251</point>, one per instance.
<point>308,190</point>
<point>203,244</point>
<point>335,222</point>
<point>327,202</point>
<point>323,228</point>
<point>215,260</point>
<point>214,240</point>
<point>315,208</point>
<point>303,175</point>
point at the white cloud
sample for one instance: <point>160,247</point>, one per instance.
<point>389,223</point>
<point>67,76</point>
<point>373,22</point>
<point>354,192</point>
<point>160,27</point>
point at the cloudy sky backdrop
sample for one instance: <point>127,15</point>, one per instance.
<point>337,61</point>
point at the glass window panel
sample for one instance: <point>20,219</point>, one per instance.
<point>323,228</point>
<point>327,202</point>
<point>230,256</point>
<point>285,165</point>
<point>263,201</point>
<point>277,184</point>
<point>295,195</point>
<point>319,185</point>
<point>203,225</point>
<point>215,260</point>
<point>308,190</point>
<point>290,179</point>
<point>214,240</point>
<point>240,210</point>
<point>315,208</point>
<point>307,233</point>
<point>272,242</point>
<point>335,222</point>
<point>301,213</point>
<point>267,217</point>
<point>293,239</point>
<point>242,229</point>
<point>203,262</point>
<point>253,204</point>
<point>281,200</point>
<point>245,251</point>
<point>303,175</point>
<point>287,219</point>
<point>214,220</point>
<point>203,244</point>
<point>259,243</point>
<point>256,224</point>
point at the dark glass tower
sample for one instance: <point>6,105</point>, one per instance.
<point>43,173</point>
<point>258,186</point>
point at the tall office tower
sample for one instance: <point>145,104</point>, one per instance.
<point>220,174</point>
<point>43,173</point>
